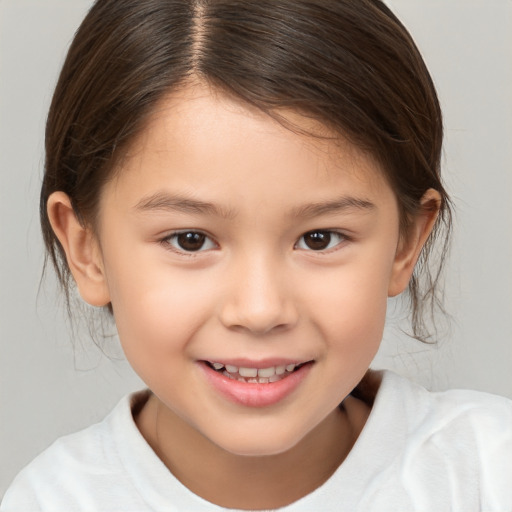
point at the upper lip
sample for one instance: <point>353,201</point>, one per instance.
<point>259,364</point>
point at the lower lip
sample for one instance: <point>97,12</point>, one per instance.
<point>252,394</point>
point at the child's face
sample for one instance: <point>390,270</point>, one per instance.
<point>290,256</point>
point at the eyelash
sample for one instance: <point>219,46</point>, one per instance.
<point>171,241</point>
<point>173,237</point>
<point>324,232</point>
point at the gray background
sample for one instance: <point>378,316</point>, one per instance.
<point>49,388</point>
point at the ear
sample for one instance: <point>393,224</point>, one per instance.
<point>410,246</point>
<point>82,250</point>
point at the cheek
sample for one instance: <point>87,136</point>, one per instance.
<point>156,310</point>
<point>351,306</point>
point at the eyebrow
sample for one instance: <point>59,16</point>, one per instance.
<point>163,202</point>
<point>340,205</point>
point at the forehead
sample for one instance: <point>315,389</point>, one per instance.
<point>201,141</point>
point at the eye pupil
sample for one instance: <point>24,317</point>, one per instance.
<point>317,240</point>
<point>191,241</point>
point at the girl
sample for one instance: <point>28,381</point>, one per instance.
<point>243,185</point>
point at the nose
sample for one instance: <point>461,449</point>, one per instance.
<point>258,298</point>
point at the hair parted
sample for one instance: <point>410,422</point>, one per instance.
<point>349,64</point>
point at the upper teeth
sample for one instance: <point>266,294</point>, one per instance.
<point>255,372</point>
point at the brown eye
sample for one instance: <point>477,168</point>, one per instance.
<point>319,240</point>
<point>190,241</point>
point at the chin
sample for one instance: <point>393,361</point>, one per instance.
<point>263,443</point>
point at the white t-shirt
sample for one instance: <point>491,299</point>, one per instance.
<point>419,451</point>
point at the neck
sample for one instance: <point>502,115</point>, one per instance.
<point>251,482</point>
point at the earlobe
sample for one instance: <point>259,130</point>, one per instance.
<point>410,247</point>
<point>82,251</point>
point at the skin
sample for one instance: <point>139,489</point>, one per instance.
<point>255,290</point>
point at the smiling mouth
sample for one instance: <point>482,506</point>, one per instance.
<point>255,375</point>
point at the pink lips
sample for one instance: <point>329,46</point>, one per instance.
<point>253,394</point>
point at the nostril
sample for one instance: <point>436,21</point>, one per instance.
<point>259,330</point>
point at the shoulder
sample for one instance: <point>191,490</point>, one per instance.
<point>74,468</point>
<point>445,412</point>
<point>59,470</point>
<point>455,444</point>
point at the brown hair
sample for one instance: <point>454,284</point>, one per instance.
<point>348,63</point>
